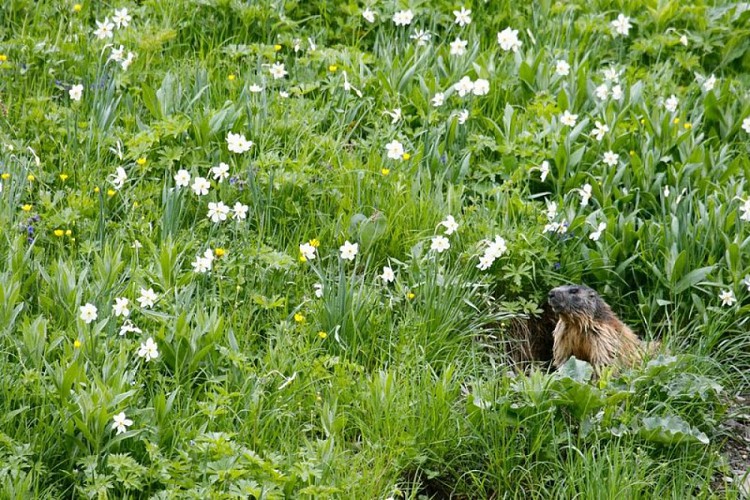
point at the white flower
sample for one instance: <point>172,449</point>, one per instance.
<point>611,158</point>
<point>125,63</point>
<point>218,212</point>
<point>496,248</point>
<point>319,290</point>
<point>562,68</point>
<point>283,94</point>
<point>421,37</point>
<point>237,143</point>
<point>610,74</point>
<point>307,251</point>
<point>129,327</point>
<point>585,193</point>
<point>508,40</point>
<point>746,282</point>
<point>598,233</point>
<point>147,298</point>
<point>568,119</point>
<point>395,150</point>
<point>727,298</point>
<point>485,261</point>
<point>395,115</point>
<point>671,104</point>
<point>121,307</point>
<point>200,186</point>
<point>120,177</point>
<point>220,172</point>
<point>600,129</point>
<point>544,170</point>
<point>277,71</point>
<point>481,87</point>
<point>76,92</point>
<point>438,99</point>
<point>684,40</point>
<point>745,208</point>
<point>449,224</point>
<point>602,91</point>
<point>746,124</point>
<point>388,275</point>
<point>551,210</point>
<point>202,264</point>
<point>121,422</point>
<point>622,25</point>
<point>368,15</point>
<point>239,211</point>
<point>104,29</point>
<point>617,92</point>
<point>149,350</point>
<point>464,86</point>
<point>403,18</point>
<point>708,83</point>
<point>440,244</point>
<point>88,313</point>
<point>349,250</point>
<point>666,191</point>
<point>463,115</point>
<point>463,16</point>
<point>458,47</point>
<point>182,178</point>
<point>255,88</point>
<point>122,18</point>
<point>118,54</point>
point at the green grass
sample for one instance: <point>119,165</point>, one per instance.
<point>374,389</point>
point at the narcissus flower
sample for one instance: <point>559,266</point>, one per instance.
<point>218,211</point>
<point>600,129</point>
<point>727,298</point>
<point>121,307</point>
<point>568,119</point>
<point>463,16</point>
<point>307,251</point>
<point>458,47</point>
<point>182,178</point>
<point>237,143</point>
<point>277,71</point>
<point>671,103</point>
<point>449,224</point>
<point>369,15</point>
<point>88,313</point>
<point>622,25</point>
<point>440,244</point>
<point>611,158</point>
<point>746,124</point>
<point>395,150</point>
<point>76,92</point>
<point>104,29</point>
<point>595,235</point>
<point>149,350</point>
<point>200,186</point>
<point>562,68</point>
<point>403,18</point>
<point>147,298</point>
<point>121,423</point>
<point>508,40</point>
<point>121,18</point>
<point>349,250</point>
<point>388,275</point>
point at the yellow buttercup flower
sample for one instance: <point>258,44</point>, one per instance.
<point>77,344</point>
<point>406,156</point>
<point>30,178</point>
<point>688,125</point>
<point>231,77</point>
<point>59,233</point>
<point>111,192</point>
<point>3,57</point>
<point>96,189</point>
<point>141,161</point>
<point>322,334</point>
<point>299,318</point>
<point>63,177</point>
<point>68,232</point>
<point>676,121</point>
<point>5,176</point>
<point>385,171</point>
<point>277,47</point>
<point>410,295</point>
<point>315,242</point>
<point>26,208</point>
<point>332,68</point>
<point>220,252</point>
<point>77,7</point>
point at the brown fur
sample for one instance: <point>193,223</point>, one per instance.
<point>530,339</point>
<point>589,330</point>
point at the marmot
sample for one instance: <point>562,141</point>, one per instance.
<point>589,330</point>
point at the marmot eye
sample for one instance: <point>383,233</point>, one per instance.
<point>574,290</point>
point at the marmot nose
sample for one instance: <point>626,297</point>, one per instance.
<point>551,294</point>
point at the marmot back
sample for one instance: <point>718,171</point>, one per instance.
<point>589,330</point>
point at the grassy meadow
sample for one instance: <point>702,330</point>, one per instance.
<point>275,248</point>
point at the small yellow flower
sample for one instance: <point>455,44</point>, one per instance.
<point>59,233</point>
<point>322,334</point>
<point>688,125</point>
<point>3,57</point>
<point>96,189</point>
<point>277,47</point>
<point>63,177</point>
<point>231,77</point>
<point>77,7</point>
<point>406,156</point>
<point>141,161</point>
<point>332,68</point>
<point>315,242</point>
<point>26,208</point>
<point>385,171</point>
<point>136,204</point>
<point>676,121</point>
<point>632,153</point>
<point>68,232</point>
<point>111,192</point>
<point>220,252</point>
<point>77,344</point>
<point>643,121</point>
<point>30,178</point>
<point>299,317</point>
<point>410,295</point>
<point>5,176</point>
<point>302,258</point>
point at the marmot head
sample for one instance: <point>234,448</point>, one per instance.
<point>578,301</point>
